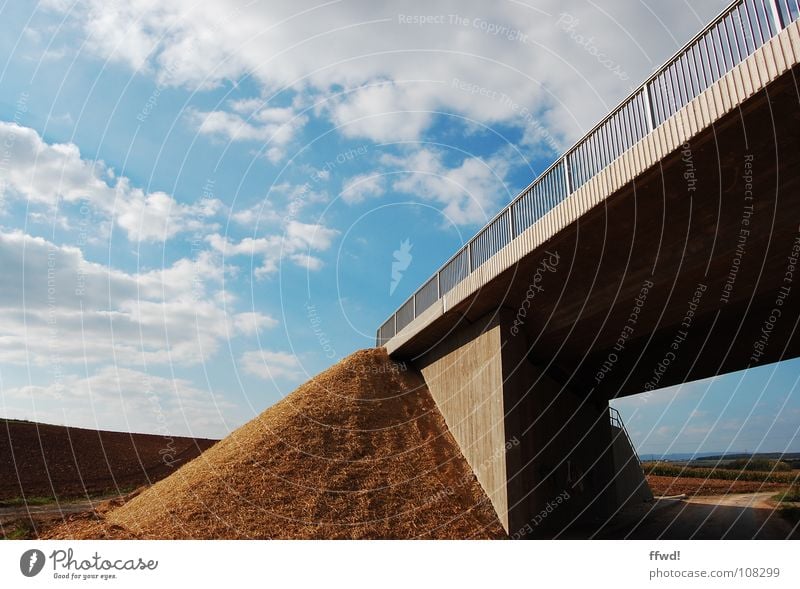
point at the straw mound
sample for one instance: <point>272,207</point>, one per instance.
<point>360,451</point>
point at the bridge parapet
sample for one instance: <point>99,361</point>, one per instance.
<point>702,81</point>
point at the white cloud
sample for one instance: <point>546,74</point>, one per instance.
<point>285,202</point>
<point>246,246</point>
<point>251,121</point>
<point>469,192</point>
<point>58,308</point>
<point>253,322</point>
<point>271,365</point>
<point>383,112</point>
<point>122,399</point>
<point>386,64</point>
<point>249,216</point>
<point>307,261</point>
<point>310,235</point>
<point>45,174</point>
<point>295,244</point>
<point>359,188</point>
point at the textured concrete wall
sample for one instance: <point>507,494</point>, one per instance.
<point>629,480</point>
<point>465,377</point>
<point>563,458</point>
<point>530,441</point>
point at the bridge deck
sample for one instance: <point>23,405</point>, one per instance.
<point>742,82</point>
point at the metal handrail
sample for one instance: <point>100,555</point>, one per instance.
<point>731,42</point>
<point>616,421</point>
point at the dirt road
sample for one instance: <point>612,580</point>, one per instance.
<point>46,512</point>
<point>732,517</point>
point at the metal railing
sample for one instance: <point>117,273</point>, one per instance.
<point>728,40</point>
<point>616,421</point>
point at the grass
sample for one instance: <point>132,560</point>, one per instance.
<point>30,501</point>
<point>759,464</point>
<point>19,530</point>
<point>791,495</point>
<point>728,474</point>
<point>788,506</point>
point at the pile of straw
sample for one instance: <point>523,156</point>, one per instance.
<point>360,451</point>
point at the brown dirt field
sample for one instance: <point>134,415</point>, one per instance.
<point>40,460</point>
<point>360,451</point>
<point>666,486</point>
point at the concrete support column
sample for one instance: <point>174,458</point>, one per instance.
<point>542,453</point>
<point>464,374</point>
<point>560,465</point>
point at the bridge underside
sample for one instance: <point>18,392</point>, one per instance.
<point>686,223</point>
<point>685,273</point>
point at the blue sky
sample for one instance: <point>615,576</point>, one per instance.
<point>199,205</point>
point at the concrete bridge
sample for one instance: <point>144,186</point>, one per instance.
<point>662,248</point>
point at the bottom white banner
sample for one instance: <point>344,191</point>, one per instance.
<point>623,563</point>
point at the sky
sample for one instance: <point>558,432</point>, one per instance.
<point>200,202</point>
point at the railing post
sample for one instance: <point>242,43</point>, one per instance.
<point>438,285</point>
<point>469,258</point>
<point>394,319</point>
<point>414,304</point>
<point>510,224</point>
<point>776,15</point>
<point>651,118</point>
<point>567,181</point>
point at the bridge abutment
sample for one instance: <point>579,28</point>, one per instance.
<point>544,454</point>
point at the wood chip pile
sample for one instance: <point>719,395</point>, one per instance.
<point>360,451</point>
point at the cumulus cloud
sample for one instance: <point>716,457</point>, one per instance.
<point>58,308</point>
<point>250,120</point>
<point>295,244</point>
<point>285,201</point>
<point>271,365</point>
<point>369,61</point>
<point>252,322</point>
<point>468,192</point>
<point>122,399</point>
<point>46,174</point>
<point>250,216</point>
<point>359,188</point>
<point>383,112</point>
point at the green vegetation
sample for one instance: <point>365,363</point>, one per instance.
<point>19,530</point>
<point>33,501</point>
<point>29,501</point>
<point>759,464</point>
<point>728,474</point>
<point>789,503</point>
<point>791,495</point>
